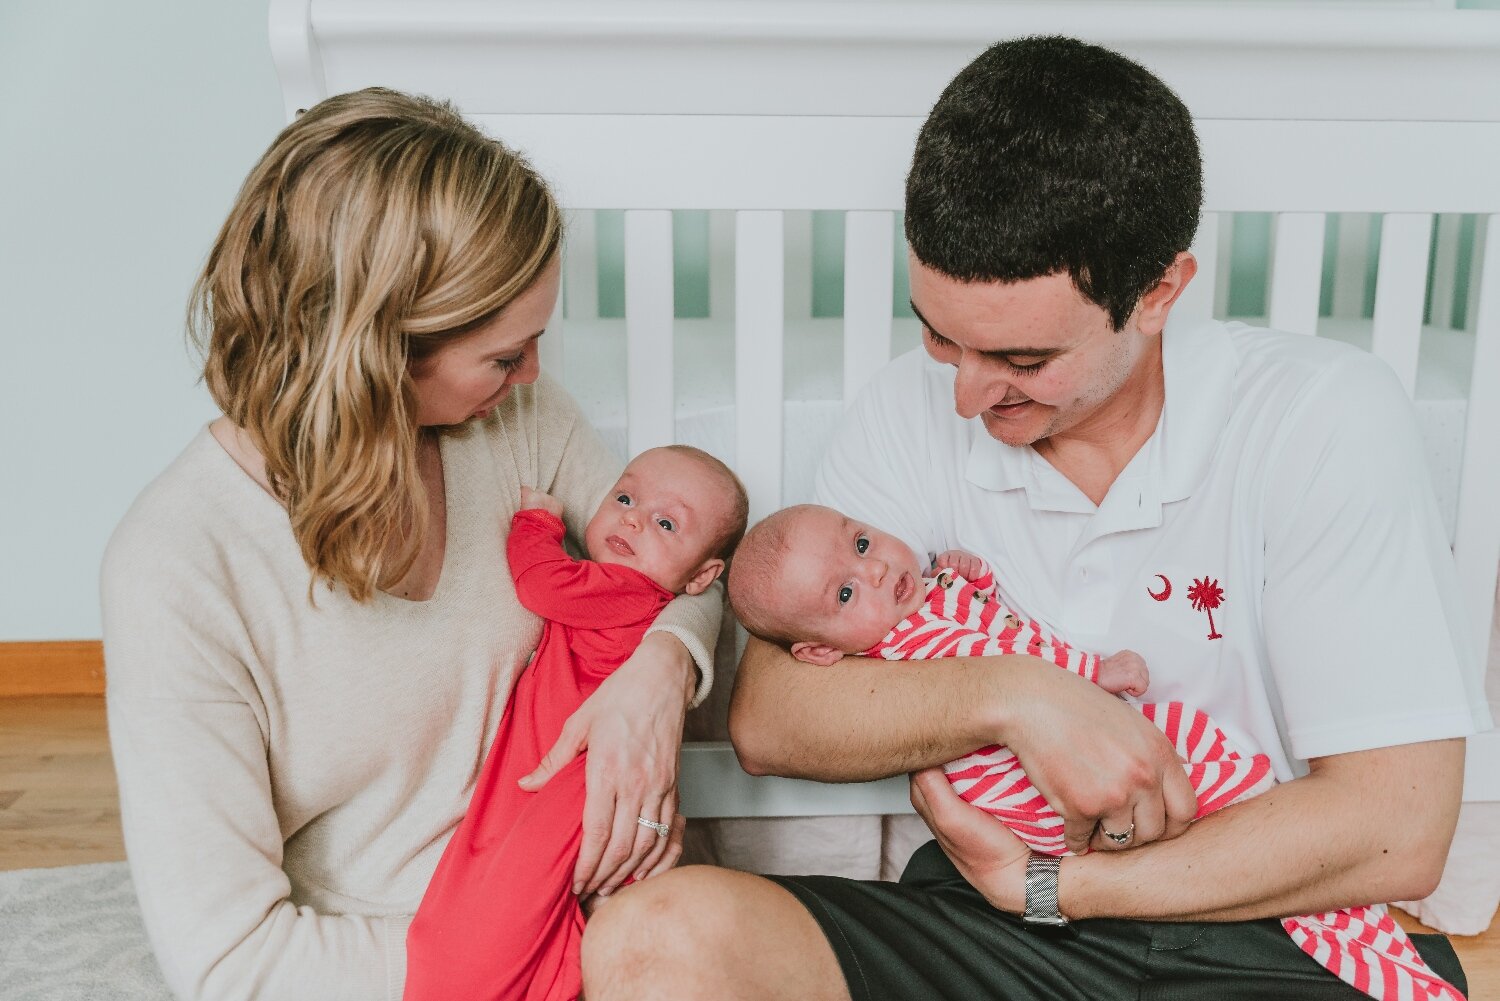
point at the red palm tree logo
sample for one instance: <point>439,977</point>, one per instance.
<point>1206,595</point>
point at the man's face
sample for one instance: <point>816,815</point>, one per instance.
<point>1034,358</point>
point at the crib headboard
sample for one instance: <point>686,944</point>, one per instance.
<point>762,108</point>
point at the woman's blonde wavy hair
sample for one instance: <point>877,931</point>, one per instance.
<point>377,226</point>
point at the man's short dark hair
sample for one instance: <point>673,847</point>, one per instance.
<point>1047,155</point>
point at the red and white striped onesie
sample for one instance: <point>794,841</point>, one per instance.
<point>1363,946</point>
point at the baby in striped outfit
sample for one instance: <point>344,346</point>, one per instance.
<point>823,585</point>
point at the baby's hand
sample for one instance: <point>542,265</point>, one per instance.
<point>966,565</point>
<point>536,499</point>
<point>1124,673</point>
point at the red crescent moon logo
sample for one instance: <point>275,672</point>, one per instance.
<point>1166,589</point>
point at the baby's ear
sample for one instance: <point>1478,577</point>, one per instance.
<point>817,653</point>
<point>704,576</point>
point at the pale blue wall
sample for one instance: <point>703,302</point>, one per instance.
<point>125,130</point>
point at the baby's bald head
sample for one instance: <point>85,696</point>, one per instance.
<point>756,578</point>
<point>823,584</point>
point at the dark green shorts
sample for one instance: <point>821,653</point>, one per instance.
<point>933,936</point>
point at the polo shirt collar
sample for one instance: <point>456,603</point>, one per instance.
<point>1198,365</point>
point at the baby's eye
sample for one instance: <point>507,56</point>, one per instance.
<point>846,593</point>
<point>666,524</point>
<point>624,499</point>
<point>862,544</point>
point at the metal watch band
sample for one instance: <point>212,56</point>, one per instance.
<point>1041,891</point>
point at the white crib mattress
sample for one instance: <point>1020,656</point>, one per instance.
<point>594,360</point>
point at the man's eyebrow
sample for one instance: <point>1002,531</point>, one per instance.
<point>996,353</point>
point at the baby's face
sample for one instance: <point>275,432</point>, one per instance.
<point>662,517</point>
<point>845,583</point>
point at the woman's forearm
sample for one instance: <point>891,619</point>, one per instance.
<point>693,621</point>
<point>865,719</point>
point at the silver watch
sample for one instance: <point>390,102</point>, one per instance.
<point>1041,891</point>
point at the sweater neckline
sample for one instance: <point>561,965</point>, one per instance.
<point>266,505</point>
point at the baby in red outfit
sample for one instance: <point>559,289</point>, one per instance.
<point>500,919</point>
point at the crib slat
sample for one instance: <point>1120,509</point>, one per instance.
<point>1196,303</point>
<point>1400,291</point>
<point>1225,262</point>
<point>869,253</point>
<point>1445,269</point>
<point>648,329</point>
<point>797,227</point>
<point>759,325</point>
<point>1476,539</point>
<point>1297,271</point>
<point>1476,254</point>
<point>1351,265</point>
<point>581,265</point>
<point>720,264</point>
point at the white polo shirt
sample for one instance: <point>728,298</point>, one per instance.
<point>1283,495</point>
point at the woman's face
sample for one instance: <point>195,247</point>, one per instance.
<point>469,375</point>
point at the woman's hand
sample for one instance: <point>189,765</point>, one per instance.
<point>985,852</point>
<point>632,729</point>
<point>669,858</point>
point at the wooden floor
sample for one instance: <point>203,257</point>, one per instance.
<point>58,803</point>
<point>59,806</point>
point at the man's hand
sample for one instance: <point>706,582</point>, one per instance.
<point>983,849</point>
<point>1124,673</point>
<point>1098,762</point>
<point>966,565</point>
<point>536,499</point>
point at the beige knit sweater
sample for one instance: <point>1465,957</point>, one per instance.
<point>289,774</point>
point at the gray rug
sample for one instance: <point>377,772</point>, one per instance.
<point>74,934</point>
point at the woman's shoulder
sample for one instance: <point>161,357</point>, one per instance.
<point>186,511</point>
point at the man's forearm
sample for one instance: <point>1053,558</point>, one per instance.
<point>865,719</point>
<point>1367,827</point>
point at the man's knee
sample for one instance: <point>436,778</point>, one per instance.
<point>664,923</point>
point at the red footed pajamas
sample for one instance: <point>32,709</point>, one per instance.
<point>499,921</point>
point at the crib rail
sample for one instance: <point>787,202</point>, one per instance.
<point>1380,118</point>
<point>810,57</point>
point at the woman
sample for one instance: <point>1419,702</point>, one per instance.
<point>309,626</point>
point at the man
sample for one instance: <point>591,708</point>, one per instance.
<point>1249,510</point>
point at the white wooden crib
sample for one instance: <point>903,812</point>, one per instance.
<point>762,111</point>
